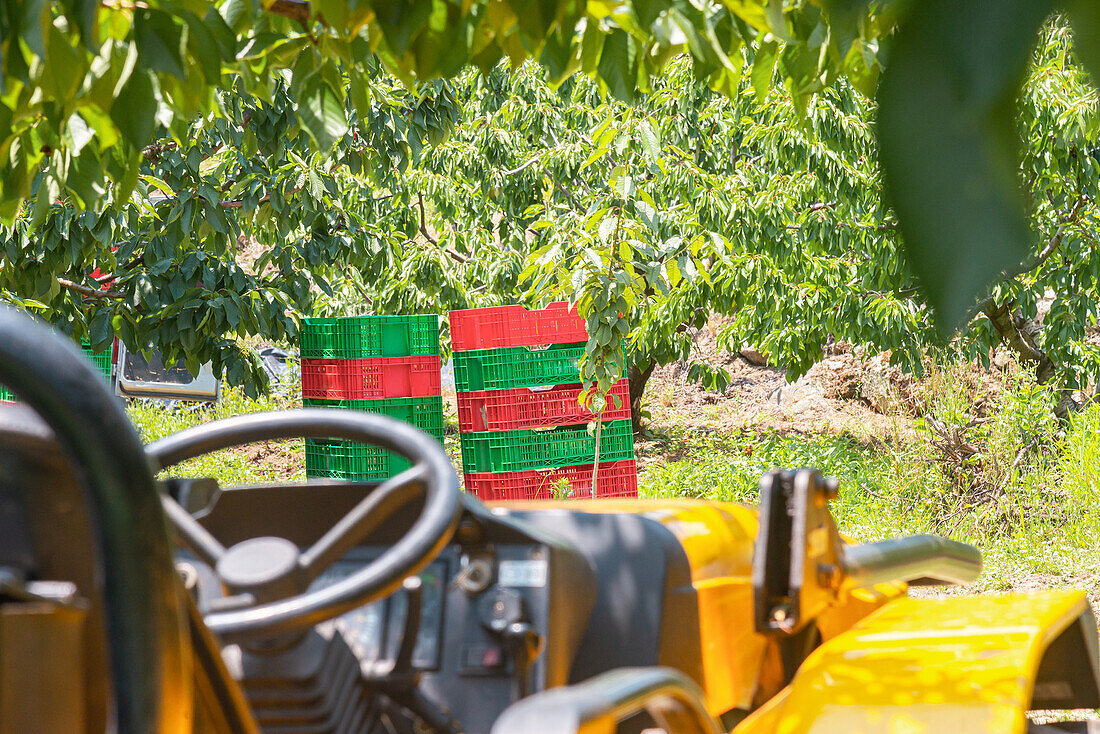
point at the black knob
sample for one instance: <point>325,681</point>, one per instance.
<point>499,608</point>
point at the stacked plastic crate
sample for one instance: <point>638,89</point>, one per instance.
<point>103,363</point>
<point>524,434</point>
<point>376,364</point>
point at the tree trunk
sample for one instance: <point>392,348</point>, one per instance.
<point>638,377</point>
<point>1019,335</point>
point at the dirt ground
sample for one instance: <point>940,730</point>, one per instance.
<point>283,458</point>
<point>840,394</point>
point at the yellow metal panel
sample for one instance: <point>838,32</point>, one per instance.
<point>717,538</point>
<point>42,673</point>
<point>732,651</point>
<point>854,604</point>
<point>718,541</point>
<point>958,664</point>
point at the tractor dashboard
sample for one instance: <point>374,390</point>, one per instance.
<point>500,612</point>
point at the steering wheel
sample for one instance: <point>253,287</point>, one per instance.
<point>144,609</point>
<point>269,576</point>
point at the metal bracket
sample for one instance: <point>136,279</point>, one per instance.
<point>796,568</point>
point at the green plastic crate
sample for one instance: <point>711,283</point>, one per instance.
<point>541,449</point>
<point>342,459</point>
<point>335,458</point>
<point>424,413</point>
<point>102,361</point>
<point>511,367</point>
<point>365,337</point>
<point>339,459</point>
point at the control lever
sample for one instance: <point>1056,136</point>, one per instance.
<point>398,680</point>
<point>523,645</point>
<point>410,632</point>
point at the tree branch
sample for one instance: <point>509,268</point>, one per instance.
<point>423,224</point>
<point>1059,234</point>
<point>455,255</point>
<point>88,292</point>
<point>1002,316</point>
<point>153,152</point>
<point>521,167</point>
<point>294,9</point>
<point>569,195</point>
<point>238,203</point>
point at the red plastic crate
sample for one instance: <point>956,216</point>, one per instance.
<point>532,407</point>
<point>516,326</point>
<point>616,479</point>
<point>371,379</point>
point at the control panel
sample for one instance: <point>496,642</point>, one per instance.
<point>500,611</point>
<point>482,627</point>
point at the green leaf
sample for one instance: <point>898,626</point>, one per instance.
<point>763,67</point>
<point>360,100</point>
<point>776,22</point>
<point>335,12</point>
<point>77,134</point>
<point>237,13</point>
<point>1084,16</point>
<point>35,19</point>
<point>322,113</point>
<point>84,178</point>
<point>705,48</point>
<point>648,139</point>
<point>948,143</point>
<point>624,185</point>
<point>134,110</point>
<point>618,66</point>
<point>222,33</point>
<point>648,10</point>
<point>159,41</point>
<point>204,47</point>
<point>400,22</point>
<point>100,335</point>
<point>99,122</point>
<point>85,14</point>
<point>232,313</point>
<point>591,46</point>
<point>65,68</point>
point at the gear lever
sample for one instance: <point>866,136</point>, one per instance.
<point>524,645</point>
<point>398,680</point>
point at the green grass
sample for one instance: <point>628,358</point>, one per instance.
<point>230,467</point>
<point>893,490</point>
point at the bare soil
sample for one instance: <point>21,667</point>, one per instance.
<point>844,393</point>
<point>285,459</point>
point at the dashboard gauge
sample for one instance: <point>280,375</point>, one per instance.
<point>373,631</point>
<point>361,627</point>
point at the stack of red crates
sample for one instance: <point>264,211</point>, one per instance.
<point>523,432</point>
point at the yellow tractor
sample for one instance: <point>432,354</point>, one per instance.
<point>136,606</point>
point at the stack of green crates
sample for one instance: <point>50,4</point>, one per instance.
<point>103,362</point>
<point>362,339</point>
